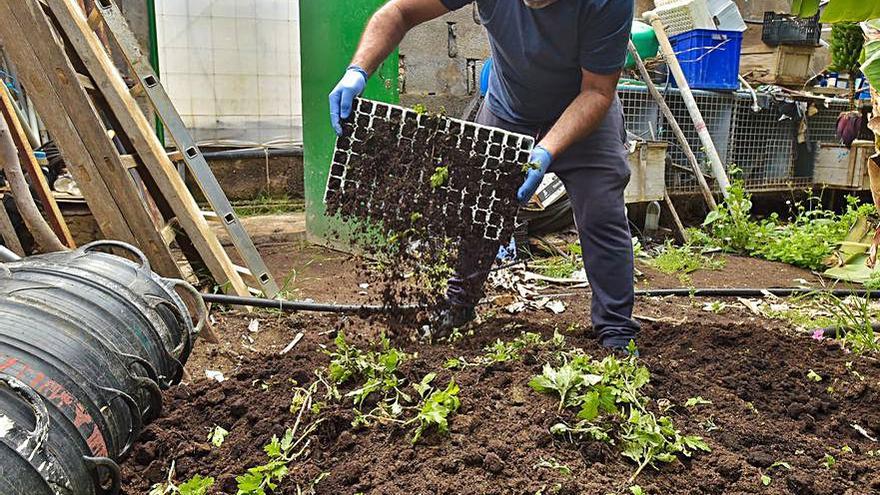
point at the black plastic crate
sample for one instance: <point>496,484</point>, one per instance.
<point>786,29</point>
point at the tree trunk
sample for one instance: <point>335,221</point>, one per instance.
<point>39,228</point>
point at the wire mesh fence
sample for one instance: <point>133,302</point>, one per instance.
<point>762,144</point>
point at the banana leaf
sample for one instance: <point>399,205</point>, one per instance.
<point>849,10</point>
<point>804,8</point>
<point>871,65</point>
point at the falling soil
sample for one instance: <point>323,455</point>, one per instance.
<point>763,410</point>
<point>410,187</point>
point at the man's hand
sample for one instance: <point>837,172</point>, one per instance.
<point>539,163</point>
<point>384,32</point>
<point>342,97</point>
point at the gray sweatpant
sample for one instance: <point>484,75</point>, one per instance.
<point>595,173</point>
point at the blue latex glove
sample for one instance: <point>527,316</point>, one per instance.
<point>541,157</point>
<point>342,97</point>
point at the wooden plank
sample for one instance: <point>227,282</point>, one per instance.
<point>30,165</point>
<point>74,100</point>
<point>7,231</point>
<point>48,103</point>
<point>140,132</point>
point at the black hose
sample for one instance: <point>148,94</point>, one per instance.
<point>250,154</point>
<point>779,292</point>
<point>293,306</point>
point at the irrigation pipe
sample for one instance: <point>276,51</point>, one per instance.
<point>307,306</point>
<point>752,292</point>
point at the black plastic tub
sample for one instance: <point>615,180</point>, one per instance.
<point>87,341</point>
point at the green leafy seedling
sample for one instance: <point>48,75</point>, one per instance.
<point>829,461</point>
<point>436,410</point>
<point>765,477</point>
<point>259,479</point>
<point>531,166</point>
<point>197,485</point>
<point>813,376</point>
<point>563,381</point>
<point>554,465</point>
<point>697,401</point>
<point>217,436</point>
<point>440,176</point>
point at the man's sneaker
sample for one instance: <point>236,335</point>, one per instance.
<point>620,350</point>
<point>445,321</point>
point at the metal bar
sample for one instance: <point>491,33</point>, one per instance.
<point>140,64</point>
<point>676,129</point>
<point>690,102</point>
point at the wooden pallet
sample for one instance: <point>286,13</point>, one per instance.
<point>131,186</point>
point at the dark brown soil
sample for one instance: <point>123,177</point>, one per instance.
<point>764,410</point>
<point>739,272</point>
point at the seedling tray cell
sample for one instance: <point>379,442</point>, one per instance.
<point>384,163</point>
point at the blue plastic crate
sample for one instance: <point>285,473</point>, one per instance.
<point>709,58</point>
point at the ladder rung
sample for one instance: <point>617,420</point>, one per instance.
<point>243,270</point>
<point>211,216</point>
<point>94,19</point>
<point>168,233</point>
<point>137,90</point>
<point>128,161</point>
<point>85,81</point>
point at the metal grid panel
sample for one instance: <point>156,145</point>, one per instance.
<point>758,143</point>
<point>641,114</point>
<point>717,110</point>
<point>469,197</point>
<point>761,146</point>
<point>823,125</point>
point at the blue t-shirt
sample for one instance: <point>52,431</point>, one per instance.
<point>539,53</point>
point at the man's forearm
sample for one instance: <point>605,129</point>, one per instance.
<point>579,120</point>
<point>384,32</point>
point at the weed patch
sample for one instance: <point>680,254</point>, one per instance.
<point>683,260</point>
<point>612,408</point>
<point>806,239</point>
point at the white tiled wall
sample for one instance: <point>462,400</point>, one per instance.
<point>232,67</point>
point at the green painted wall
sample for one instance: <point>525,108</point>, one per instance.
<point>329,33</point>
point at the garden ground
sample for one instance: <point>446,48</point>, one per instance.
<point>787,413</point>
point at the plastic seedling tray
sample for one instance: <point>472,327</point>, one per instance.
<point>402,169</point>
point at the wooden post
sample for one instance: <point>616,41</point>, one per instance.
<point>35,28</point>
<point>689,101</point>
<point>48,103</point>
<point>676,129</point>
<point>7,231</point>
<point>675,218</point>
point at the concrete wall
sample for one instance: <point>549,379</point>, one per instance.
<point>441,61</point>
<point>244,180</point>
